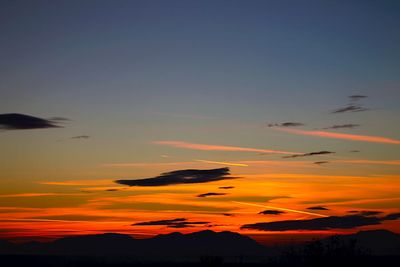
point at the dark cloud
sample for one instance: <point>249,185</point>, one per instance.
<point>325,223</point>
<point>391,217</point>
<point>112,190</point>
<point>174,223</point>
<point>342,126</point>
<point>286,124</point>
<point>80,137</point>
<point>350,108</point>
<point>354,98</point>
<point>354,151</point>
<point>15,121</point>
<point>317,208</point>
<point>189,176</point>
<point>211,194</point>
<point>321,162</point>
<point>271,212</point>
<point>228,214</point>
<point>309,154</point>
<point>226,187</point>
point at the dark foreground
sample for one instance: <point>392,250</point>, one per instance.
<point>62,261</point>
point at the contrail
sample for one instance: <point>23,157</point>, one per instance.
<point>276,208</point>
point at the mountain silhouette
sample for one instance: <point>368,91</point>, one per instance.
<point>174,246</point>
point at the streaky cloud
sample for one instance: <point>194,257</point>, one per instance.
<point>271,212</point>
<point>350,108</point>
<point>16,121</point>
<point>334,135</point>
<point>286,124</point>
<point>317,208</point>
<point>188,176</point>
<point>326,223</point>
<point>342,126</point>
<point>211,194</point>
<point>204,147</point>
<point>324,152</point>
<point>173,223</point>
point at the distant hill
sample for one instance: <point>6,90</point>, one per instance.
<point>174,246</point>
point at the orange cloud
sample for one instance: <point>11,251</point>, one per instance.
<point>354,137</point>
<point>205,147</point>
<point>223,163</point>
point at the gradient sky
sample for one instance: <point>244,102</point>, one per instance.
<point>159,86</point>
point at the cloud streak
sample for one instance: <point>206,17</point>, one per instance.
<point>174,223</point>
<point>204,147</point>
<point>211,194</point>
<point>327,223</point>
<point>188,176</point>
<point>353,137</point>
<point>16,121</point>
<point>324,152</point>
<point>222,163</point>
<point>342,126</point>
<point>286,124</point>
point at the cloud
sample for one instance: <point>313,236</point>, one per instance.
<point>211,194</point>
<point>321,162</point>
<point>80,137</point>
<point>174,223</point>
<point>310,154</point>
<point>15,121</point>
<point>317,208</point>
<point>204,147</point>
<point>392,217</point>
<point>271,212</point>
<point>189,176</point>
<point>326,223</point>
<point>354,98</point>
<point>366,212</point>
<point>353,137</point>
<point>342,126</point>
<point>223,163</point>
<point>350,108</point>
<point>286,124</point>
<point>226,187</point>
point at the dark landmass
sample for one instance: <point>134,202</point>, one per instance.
<point>204,248</point>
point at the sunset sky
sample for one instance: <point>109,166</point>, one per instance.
<point>236,113</point>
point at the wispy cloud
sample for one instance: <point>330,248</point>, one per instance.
<point>317,153</point>
<point>327,223</point>
<point>204,147</point>
<point>354,98</point>
<point>320,162</point>
<point>226,187</point>
<point>16,121</point>
<point>189,176</point>
<point>80,137</point>
<point>286,124</point>
<point>350,108</point>
<point>271,212</point>
<point>317,208</point>
<point>211,194</point>
<point>173,223</point>
<point>342,126</point>
<point>223,163</point>
<point>353,137</point>
<point>281,209</point>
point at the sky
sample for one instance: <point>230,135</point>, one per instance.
<point>291,107</point>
